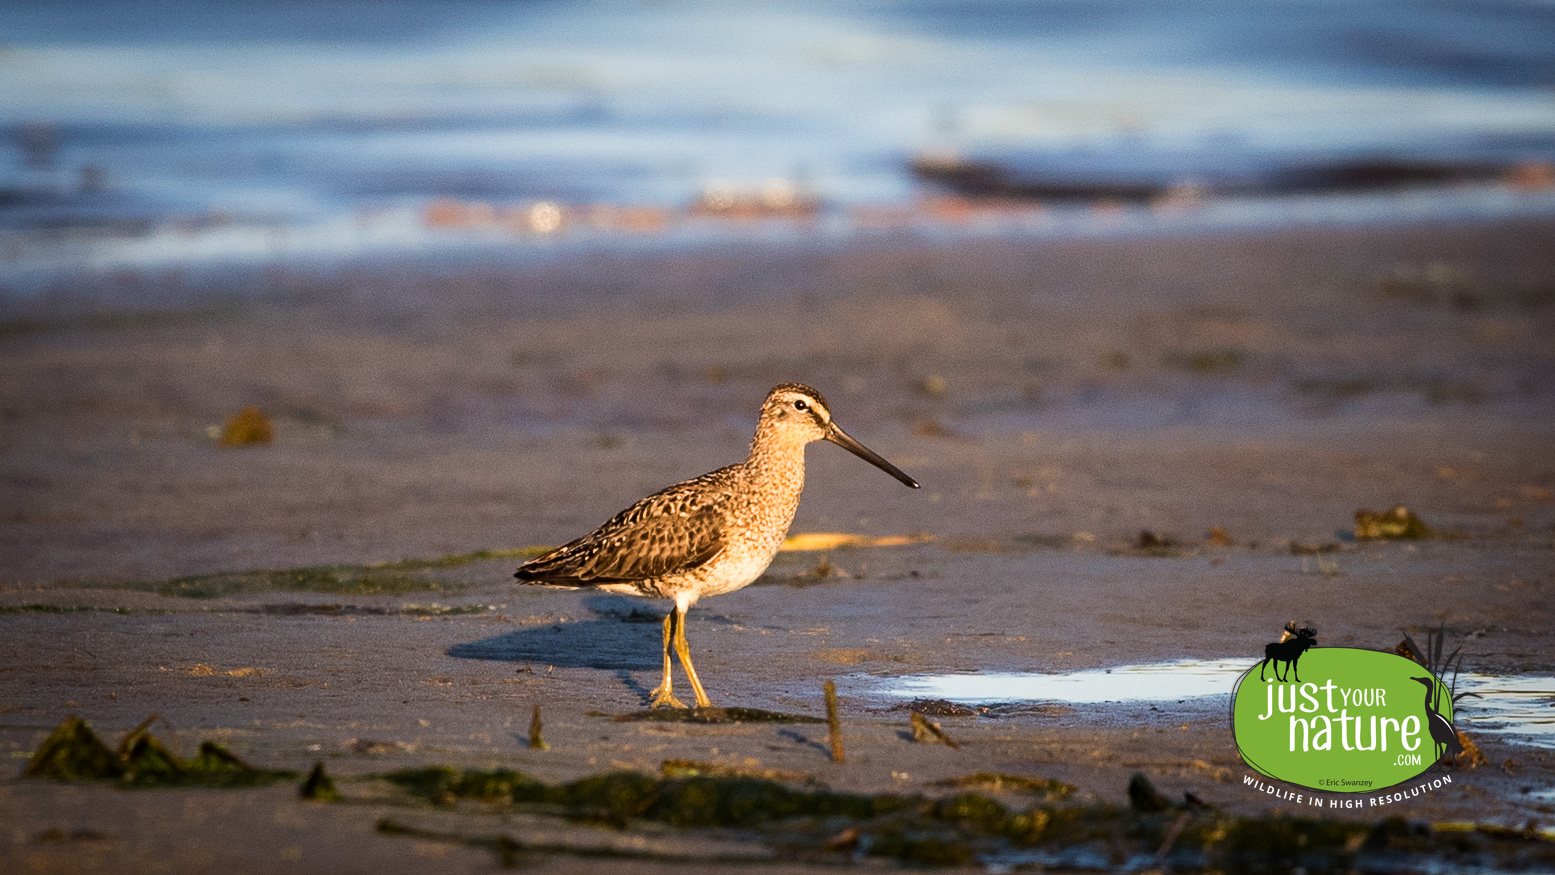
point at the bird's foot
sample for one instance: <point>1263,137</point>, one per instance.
<point>665,699</point>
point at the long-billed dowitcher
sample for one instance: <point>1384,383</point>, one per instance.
<point>709,535</point>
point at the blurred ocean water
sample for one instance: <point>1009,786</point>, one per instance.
<point>174,131</point>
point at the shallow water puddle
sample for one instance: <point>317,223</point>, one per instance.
<point>1151,682</point>
<point>1520,707</point>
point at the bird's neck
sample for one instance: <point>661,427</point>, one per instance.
<point>776,465</point>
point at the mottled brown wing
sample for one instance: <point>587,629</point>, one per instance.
<point>670,531</point>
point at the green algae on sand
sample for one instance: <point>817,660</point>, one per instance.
<point>1394,523</point>
<point>696,801</point>
<point>678,768</point>
<point>1048,789</point>
<point>380,578</point>
<point>818,824</point>
<point>73,752</point>
<point>712,715</point>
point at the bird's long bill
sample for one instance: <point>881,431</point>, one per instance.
<point>841,439</point>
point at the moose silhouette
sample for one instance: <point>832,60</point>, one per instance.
<point>1293,642</point>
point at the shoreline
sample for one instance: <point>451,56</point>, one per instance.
<point>256,272</point>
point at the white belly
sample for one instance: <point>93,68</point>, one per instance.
<point>735,572</point>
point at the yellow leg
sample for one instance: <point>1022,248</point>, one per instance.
<point>683,650</point>
<point>662,697</point>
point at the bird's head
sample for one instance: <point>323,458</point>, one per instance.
<point>796,413</point>
<point>1429,682</point>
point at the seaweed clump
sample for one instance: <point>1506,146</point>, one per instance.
<point>712,715</point>
<point>73,752</point>
<point>378,578</point>
<point>445,785</point>
<point>1047,789</point>
<point>677,768</point>
<point>817,824</point>
<point>1394,523</point>
<point>615,797</point>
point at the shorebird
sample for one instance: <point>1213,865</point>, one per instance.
<point>709,535</point>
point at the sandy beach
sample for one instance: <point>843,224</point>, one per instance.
<point>1133,450</point>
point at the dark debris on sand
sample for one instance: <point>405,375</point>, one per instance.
<point>819,825</point>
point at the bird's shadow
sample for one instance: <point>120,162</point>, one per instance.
<point>807,741</point>
<point>624,635</point>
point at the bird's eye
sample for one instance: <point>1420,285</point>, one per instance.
<point>799,404</point>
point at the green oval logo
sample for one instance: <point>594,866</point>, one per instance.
<point>1351,721</point>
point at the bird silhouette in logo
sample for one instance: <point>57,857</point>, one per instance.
<point>1443,731</point>
<point>1443,734</point>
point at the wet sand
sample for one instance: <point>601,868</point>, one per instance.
<point>1056,399</point>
